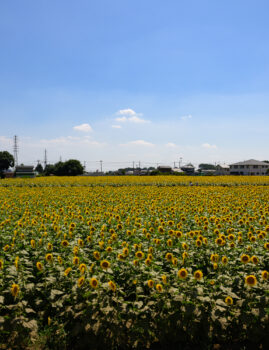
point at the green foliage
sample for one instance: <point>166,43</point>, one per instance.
<point>6,161</point>
<point>39,168</point>
<point>205,166</point>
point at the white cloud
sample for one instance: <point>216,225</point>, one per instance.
<point>139,143</point>
<point>129,115</point>
<point>83,127</point>
<point>128,111</point>
<point>207,145</point>
<point>136,119</point>
<point>116,126</point>
<point>121,119</point>
<point>171,145</point>
<point>186,117</point>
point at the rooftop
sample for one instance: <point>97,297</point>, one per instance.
<point>251,162</point>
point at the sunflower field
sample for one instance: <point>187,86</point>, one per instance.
<point>134,263</point>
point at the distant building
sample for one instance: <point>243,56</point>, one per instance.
<point>24,171</point>
<point>165,169</point>
<point>188,169</point>
<point>177,171</point>
<point>222,169</point>
<point>249,167</point>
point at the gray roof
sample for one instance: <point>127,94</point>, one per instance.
<point>251,162</point>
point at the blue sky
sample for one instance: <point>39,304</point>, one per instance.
<point>123,81</point>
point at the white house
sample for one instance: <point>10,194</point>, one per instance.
<point>249,167</point>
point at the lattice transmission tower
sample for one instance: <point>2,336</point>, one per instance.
<point>15,150</point>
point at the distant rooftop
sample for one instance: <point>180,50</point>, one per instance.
<point>250,162</point>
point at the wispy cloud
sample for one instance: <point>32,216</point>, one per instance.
<point>171,145</point>
<point>83,127</point>
<point>138,143</point>
<point>129,115</point>
<point>186,117</point>
<point>70,140</point>
<point>209,146</point>
<point>116,126</point>
<point>128,111</point>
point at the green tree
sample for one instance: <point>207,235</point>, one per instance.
<point>205,166</point>
<point>39,168</point>
<point>6,161</point>
<point>71,167</point>
<point>49,169</point>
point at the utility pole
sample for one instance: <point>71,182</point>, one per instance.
<point>180,161</point>
<point>139,164</point>
<point>15,150</point>
<point>133,165</point>
<point>45,159</point>
<point>174,164</point>
<point>101,165</point>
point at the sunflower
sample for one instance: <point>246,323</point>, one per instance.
<point>105,264</point>
<point>112,286</point>
<point>81,280</point>
<point>254,259</point>
<point>219,241</point>
<point>174,261</point>
<point>161,229</point>
<point>39,266</point>
<point>215,266</point>
<point>80,242</point>
<point>169,242</point>
<point>185,246</point>
<point>96,255</point>
<point>49,257</point>
<point>198,243</point>
<point>82,268</point>
<point>139,254</point>
<point>75,260</point>
<point>266,245</point>
<point>121,257</point>
<point>32,243</point>
<point>214,258</point>
<point>60,260</point>
<point>265,275</point>
<point>169,256</point>
<point>135,262</point>
<point>50,246</point>
<point>251,280</point>
<point>109,249</point>
<point>229,301</point>
<point>1,264</point>
<point>178,234</point>
<point>164,279</point>
<point>67,271</point>
<point>159,287</point>
<point>182,273</point>
<point>224,260</point>
<point>148,261</point>
<point>94,282</point>
<point>15,290</point>
<point>75,250</point>
<point>6,248</point>
<point>245,258</point>
<point>198,275</point>
<point>150,283</point>
<point>125,251</point>
<point>64,243</point>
